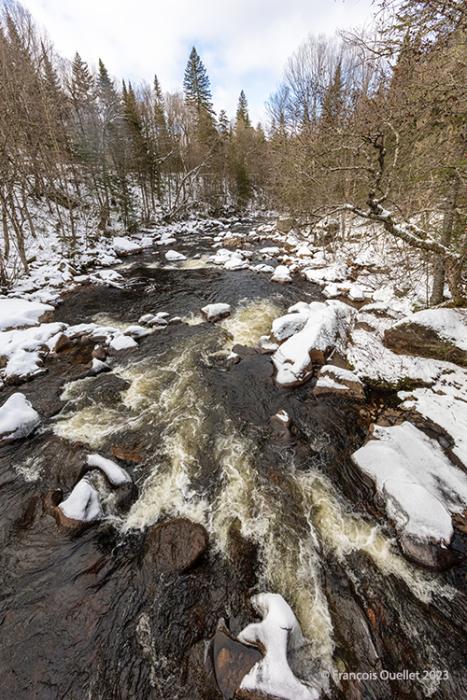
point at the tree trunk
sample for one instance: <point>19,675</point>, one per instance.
<point>439,275</point>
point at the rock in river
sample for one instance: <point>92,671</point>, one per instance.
<point>175,545</point>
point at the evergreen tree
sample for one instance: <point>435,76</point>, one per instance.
<point>243,117</point>
<point>196,85</point>
<point>82,82</point>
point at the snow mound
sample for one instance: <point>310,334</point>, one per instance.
<point>17,313</point>
<point>114,473</point>
<point>278,630</point>
<point>122,342</point>
<point>83,503</point>
<point>281,274</point>
<point>123,244</point>
<point>174,256</point>
<point>327,327</point>
<point>17,418</point>
<point>285,326</point>
<point>420,486</point>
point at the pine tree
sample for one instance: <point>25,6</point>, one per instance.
<point>196,85</point>
<point>82,82</point>
<point>242,116</point>
<point>333,98</point>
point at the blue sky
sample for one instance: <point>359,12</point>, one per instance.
<point>243,43</point>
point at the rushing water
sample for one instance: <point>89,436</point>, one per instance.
<point>83,613</point>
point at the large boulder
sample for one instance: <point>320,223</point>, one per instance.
<point>326,328</point>
<point>232,660</point>
<point>437,333</point>
<point>176,545</point>
<point>420,487</point>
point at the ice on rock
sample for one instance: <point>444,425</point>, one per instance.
<point>122,342</point>
<point>174,256</point>
<point>17,418</point>
<point>420,486</point>
<point>278,631</point>
<point>83,503</point>
<point>327,327</point>
<point>114,473</point>
<point>281,274</point>
<point>214,312</point>
<point>17,313</point>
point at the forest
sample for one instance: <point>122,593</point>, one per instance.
<point>371,124</point>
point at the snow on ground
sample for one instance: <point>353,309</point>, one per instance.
<point>421,487</point>
<point>124,244</point>
<point>114,473</point>
<point>445,404</point>
<point>18,313</point>
<point>83,503</point>
<point>326,328</point>
<point>277,632</point>
<point>17,418</point>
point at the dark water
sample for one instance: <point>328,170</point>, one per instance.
<point>88,613</point>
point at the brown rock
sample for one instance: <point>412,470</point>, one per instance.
<point>63,343</point>
<point>232,660</point>
<point>414,337</point>
<point>126,455</point>
<point>99,352</point>
<point>50,505</point>
<point>427,554</point>
<point>175,545</point>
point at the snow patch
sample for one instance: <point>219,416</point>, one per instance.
<point>17,418</point>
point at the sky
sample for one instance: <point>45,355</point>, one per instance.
<point>244,44</point>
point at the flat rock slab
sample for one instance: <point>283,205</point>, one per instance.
<point>176,545</point>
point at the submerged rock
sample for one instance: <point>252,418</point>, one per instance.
<point>437,333</point>
<point>175,545</point>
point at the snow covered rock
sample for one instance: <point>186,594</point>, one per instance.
<point>22,349</point>
<point>420,486</point>
<point>122,342</point>
<point>266,346</point>
<point>18,313</point>
<point>124,245</point>
<point>326,328</point>
<point>81,506</point>
<point>263,267</point>
<point>285,326</point>
<point>336,380</point>
<point>281,275</point>
<point>214,312</point>
<point>381,368</point>
<point>174,256</point>
<point>236,262</point>
<point>17,418</point>
<point>438,333</point>
<point>332,273</point>
<point>277,632</point>
<point>114,473</point>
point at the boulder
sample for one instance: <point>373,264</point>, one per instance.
<point>176,545</point>
<point>437,333</point>
<point>214,312</point>
<point>17,418</point>
<point>284,224</point>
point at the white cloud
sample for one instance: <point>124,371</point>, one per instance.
<point>243,43</point>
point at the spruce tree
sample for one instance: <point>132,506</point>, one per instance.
<point>196,84</point>
<point>243,117</point>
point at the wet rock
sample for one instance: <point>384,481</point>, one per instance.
<point>437,333</point>
<point>232,660</point>
<point>280,424</point>
<point>339,381</point>
<point>224,359</point>
<point>52,501</point>
<point>133,456</point>
<point>176,545</point>
<point>63,343</point>
<point>431,555</point>
<point>99,352</point>
<point>266,346</point>
<point>214,312</point>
